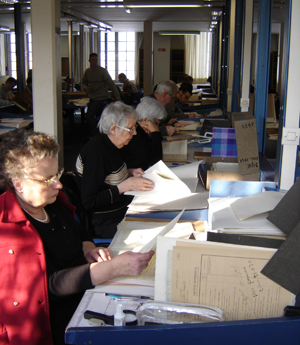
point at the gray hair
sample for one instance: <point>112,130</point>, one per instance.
<point>116,113</point>
<point>151,109</point>
<point>166,86</point>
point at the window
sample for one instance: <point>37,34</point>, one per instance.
<point>29,50</point>
<point>125,52</point>
<point>13,57</point>
<point>108,57</point>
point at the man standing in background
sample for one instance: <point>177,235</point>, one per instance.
<point>95,81</point>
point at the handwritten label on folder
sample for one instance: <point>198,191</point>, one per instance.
<point>247,146</point>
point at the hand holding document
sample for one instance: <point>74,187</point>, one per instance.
<point>169,193</point>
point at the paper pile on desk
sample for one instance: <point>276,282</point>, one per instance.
<point>219,275</point>
<point>251,220</point>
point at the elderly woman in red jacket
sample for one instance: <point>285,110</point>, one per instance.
<point>48,260</point>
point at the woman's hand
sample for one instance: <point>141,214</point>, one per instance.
<point>136,172</point>
<point>149,126</point>
<point>128,263</point>
<point>135,183</point>
<point>171,130</point>
<point>171,121</point>
<point>192,115</point>
<point>99,254</point>
<point>181,124</point>
<point>132,264</point>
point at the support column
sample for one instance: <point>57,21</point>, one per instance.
<point>71,56</point>
<point>81,50</point>
<point>91,40</point>
<point>236,85</point>
<point>148,58</point>
<point>224,55</point>
<point>246,69</point>
<point>47,94</point>
<point>292,105</point>
<point>19,31</point>
<point>231,54</point>
<point>262,71</point>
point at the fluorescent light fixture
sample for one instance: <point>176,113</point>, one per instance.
<point>4,28</point>
<point>179,32</point>
<point>66,33</point>
<point>162,3</point>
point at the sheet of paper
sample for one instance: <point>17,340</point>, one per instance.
<point>186,170</point>
<point>192,125</point>
<point>256,204</point>
<point>222,217</point>
<point>100,303</point>
<point>140,236</point>
<point>195,201</point>
<point>227,277</point>
<point>168,187</point>
<point>152,243</point>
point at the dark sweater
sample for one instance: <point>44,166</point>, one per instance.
<point>143,150</point>
<point>100,168</point>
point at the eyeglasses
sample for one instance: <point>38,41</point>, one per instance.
<point>186,96</point>
<point>50,181</point>
<point>131,130</point>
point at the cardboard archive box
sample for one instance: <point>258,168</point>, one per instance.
<point>247,149</point>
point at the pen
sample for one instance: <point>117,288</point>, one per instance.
<point>127,296</point>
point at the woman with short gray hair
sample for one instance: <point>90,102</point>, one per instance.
<point>102,174</point>
<point>145,149</point>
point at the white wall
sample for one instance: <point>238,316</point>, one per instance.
<point>161,54</point>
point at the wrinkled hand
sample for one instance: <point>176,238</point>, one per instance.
<point>136,172</point>
<point>132,264</point>
<point>136,184</point>
<point>149,126</point>
<point>171,130</point>
<point>181,124</point>
<point>99,254</point>
<point>171,121</point>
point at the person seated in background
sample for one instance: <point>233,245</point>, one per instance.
<point>164,93</point>
<point>182,96</point>
<point>102,174</point>
<point>6,92</point>
<point>128,86</point>
<point>48,259</point>
<point>129,90</point>
<point>145,148</point>
<point>28,87</point>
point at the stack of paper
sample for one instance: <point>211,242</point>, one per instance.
<point>219,275</point>
<point>246,215</point>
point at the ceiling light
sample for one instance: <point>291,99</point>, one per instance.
<point>163,3</point>
<point>4,28</point>
<point>179,32</point>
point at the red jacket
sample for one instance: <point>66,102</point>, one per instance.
<point>24,305</point>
